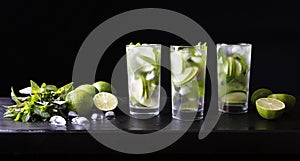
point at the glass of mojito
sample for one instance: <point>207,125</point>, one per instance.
<point>233,77</point>
<point>188,67</point>
<point>143,69</point>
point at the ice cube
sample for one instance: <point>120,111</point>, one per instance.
<point>109,115</point>
<point>184,90</point>
<point>57,120</point>
<point>80,121</point>
<point>236,49</point>
<point>198,53</point>
<point>97,116</point>
<point>196,59</point>
<point>150,75</point>
<point>186,56</point>
<point>72,115</point>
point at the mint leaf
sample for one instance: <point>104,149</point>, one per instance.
<point>14,97</point>
<point>34,87</point>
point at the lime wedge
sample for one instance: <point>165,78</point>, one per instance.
<point>181,79</point>
<point>287,99</point>
<point>105,101</point>
<point>235,97</point>
<point>177,63</point>
<point>270,108</point>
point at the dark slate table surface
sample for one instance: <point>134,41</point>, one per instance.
<point>234,134</point>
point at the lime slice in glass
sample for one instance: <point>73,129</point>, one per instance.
<point>137,88</point>
<point>105,101</point>
<point>177,63</point>
<point>235,97</point>
<point>270,108</point>
<point>147,102</point>
<point>231,66</point>
<point>181,79</point>
<point>238,68</point>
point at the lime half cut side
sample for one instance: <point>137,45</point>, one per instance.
<point>105,101</point>
<point>270,108</point>
<point>188,75</point>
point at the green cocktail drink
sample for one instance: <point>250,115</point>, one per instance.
<point>233,77</point>
<point>143,69</point>
<point>188,67</point>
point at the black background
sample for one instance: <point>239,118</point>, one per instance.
<point>40,39</point>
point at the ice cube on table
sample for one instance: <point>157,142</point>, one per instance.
<point>97,116</point>
<point>57,121</point>
<point>80,121</point>
<point>72,115</point>
<point>109,115</point>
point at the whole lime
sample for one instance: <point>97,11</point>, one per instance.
<point>287,99</point>
<point>103,86</point>
<point>88,88</point>
<point>80,101</point>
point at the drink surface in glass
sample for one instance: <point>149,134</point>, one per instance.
<point>143,69</point>
<point>188,67</point>
<point>233,77</point>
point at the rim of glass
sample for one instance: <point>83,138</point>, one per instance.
<point>237,44</point>
<point>183,46</point>
<point>145,45</point>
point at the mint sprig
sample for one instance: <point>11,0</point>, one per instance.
<point>40,104</point>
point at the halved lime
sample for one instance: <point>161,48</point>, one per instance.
<point>235,97</point>
<point>260,93</point>
<point>177,63</point>
<point>270,108</point>
<point>105,101</point>
<point>287,99</point>
<point>181,79</point>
